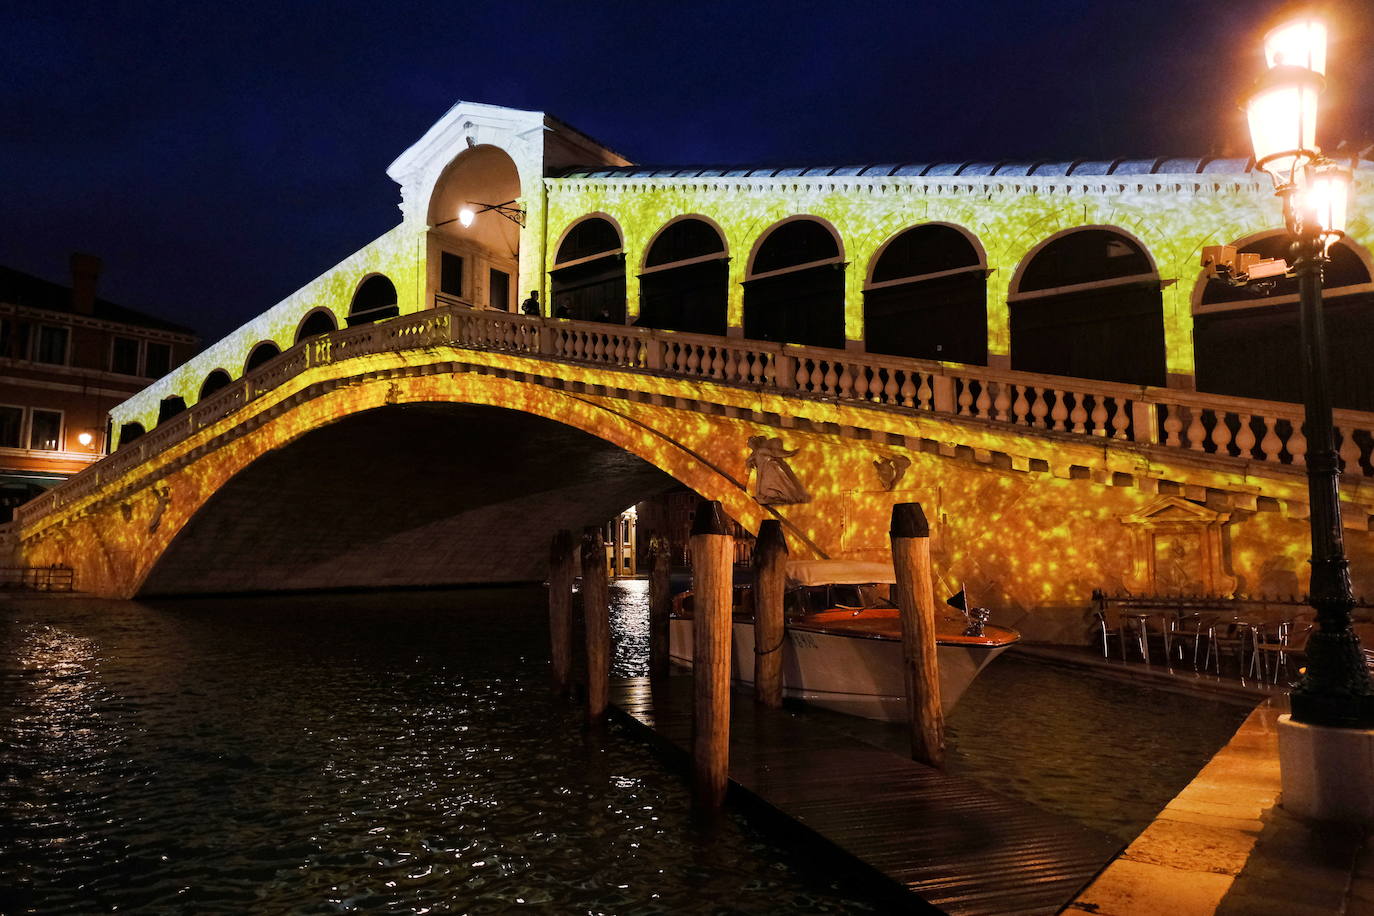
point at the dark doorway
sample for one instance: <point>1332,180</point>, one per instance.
<point>796,290</point>
<point>685,284</point>
<point>1098,313</point>
<point>927,298</point>
<point>498,290</point>
<point>170,407</point>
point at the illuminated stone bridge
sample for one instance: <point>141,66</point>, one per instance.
<point>1018,348</point>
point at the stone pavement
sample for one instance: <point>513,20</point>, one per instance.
<point>1224,846</point>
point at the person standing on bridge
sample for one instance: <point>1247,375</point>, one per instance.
<point>531,305</point>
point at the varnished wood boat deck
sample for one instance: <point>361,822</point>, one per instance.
<point>945,839</point>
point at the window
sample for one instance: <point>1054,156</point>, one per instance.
<point>158,360</point>
<point>45,429</point>
<point>11,427</point>
<point>498,290</point>
<point>450,274</point>
<point>52,345</point>
<point>124,356</point>
<point>14,338</point>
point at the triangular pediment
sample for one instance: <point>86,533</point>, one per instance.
<point>1175,510</point>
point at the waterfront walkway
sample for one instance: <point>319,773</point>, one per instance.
<point>1224,846</point>
<point>945,839</point>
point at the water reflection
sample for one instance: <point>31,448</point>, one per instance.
<point>377,753</point>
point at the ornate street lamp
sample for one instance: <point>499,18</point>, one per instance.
<point>1336,689</point>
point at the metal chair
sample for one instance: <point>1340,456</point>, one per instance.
<point>1236,636</point>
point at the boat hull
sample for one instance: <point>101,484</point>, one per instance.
<point>856,675</point>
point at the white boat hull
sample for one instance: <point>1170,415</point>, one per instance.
<point>857,675</point>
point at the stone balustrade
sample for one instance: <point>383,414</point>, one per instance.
<point>1225,428</point>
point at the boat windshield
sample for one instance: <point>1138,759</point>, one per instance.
<point>816,599</point>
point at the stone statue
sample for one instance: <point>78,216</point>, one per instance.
<point>163,495</point>
<point>890,470</point>
<point>774,484</point>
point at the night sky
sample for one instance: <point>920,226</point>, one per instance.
<point>219,156</point>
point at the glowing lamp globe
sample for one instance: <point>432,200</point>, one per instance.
<point>1297,43</point>
<point>465,217</point>
<point>1283,121</point>
<point>1326,198</point>
<point>85,439</point>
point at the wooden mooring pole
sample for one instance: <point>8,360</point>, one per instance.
<point>596,615</point>
<point>562,568</point>
<point>915,598</point>
<point>770,584</point>
<point>713,554</point>
<point>660,605</point>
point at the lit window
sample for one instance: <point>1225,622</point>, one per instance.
<point>45,430</point>
<point>11,426</point>
<point>52,345</point>
<point>158,360</point>
<point>124,356</point>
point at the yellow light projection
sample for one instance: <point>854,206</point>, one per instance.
<point>1032,544</point>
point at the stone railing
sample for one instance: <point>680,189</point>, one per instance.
<point>1215,425</point>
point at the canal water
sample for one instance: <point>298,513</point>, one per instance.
<point>400,752</point>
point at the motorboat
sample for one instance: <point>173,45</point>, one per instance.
<point>842,639</point>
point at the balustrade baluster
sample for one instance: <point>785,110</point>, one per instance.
<point>965,397</point>
<point>1197,432</point>
<point>1099,415</point>
<point>1245,437</point>
<point>1297,445</point>
<point>1001,404</point>
<point>925,395</point>
<point>1059,413</point>
<point>1079,415</point>
<point>803,373</point>
<point>984,402</point>
<point>1271,443</point>
<point>1349,452</point>
<point>1121,418</point>
<point>1020,408</point>
<point>1221,435</point>
<point>831,379</point>
<point>731,369</point>
<point>717,363</point>
<point>1039,409</point>
<point>693,359</point>
<point>1173,425</point>
<point>908,389</point>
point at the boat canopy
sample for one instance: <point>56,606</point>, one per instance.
<point>838,572</point>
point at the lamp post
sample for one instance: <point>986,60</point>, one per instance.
<point>1335,690</point>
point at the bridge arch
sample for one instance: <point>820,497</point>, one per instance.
<point>926,295</point>
<point>1228,321</point>
<point>794,287</point>
<point>587,280</point>
<point>262,353</point>
<point>1087,302</point>
<point>169,501</point>
<point>216,380</point>
<point>684,280</point>
<point>317,321</point>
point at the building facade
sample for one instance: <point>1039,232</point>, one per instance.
<point>66,357</point>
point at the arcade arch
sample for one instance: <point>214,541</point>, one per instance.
<point>927,296</point>
<point>374,300</point>
<point>262,354</point>
<point>684,285</point>
<point>588,276</point>
<point>1087,303</point>
<point>475,264</point>
<point>319,321</point>
<point>213,382</point>
<point>1246,341</point>
<point>795,287</point>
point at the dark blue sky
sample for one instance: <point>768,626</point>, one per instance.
<point>218,156</point>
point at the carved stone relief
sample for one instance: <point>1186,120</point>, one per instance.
<point>775,484</point>
<point>1177,550</point>
<point>890,470</point>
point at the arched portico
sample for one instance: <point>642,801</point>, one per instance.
<point>473,241</point>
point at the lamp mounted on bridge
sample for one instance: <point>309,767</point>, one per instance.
<point>1336,689</point>
<point>469,212</point>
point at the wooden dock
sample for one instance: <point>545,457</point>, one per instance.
<point>945,839</point>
